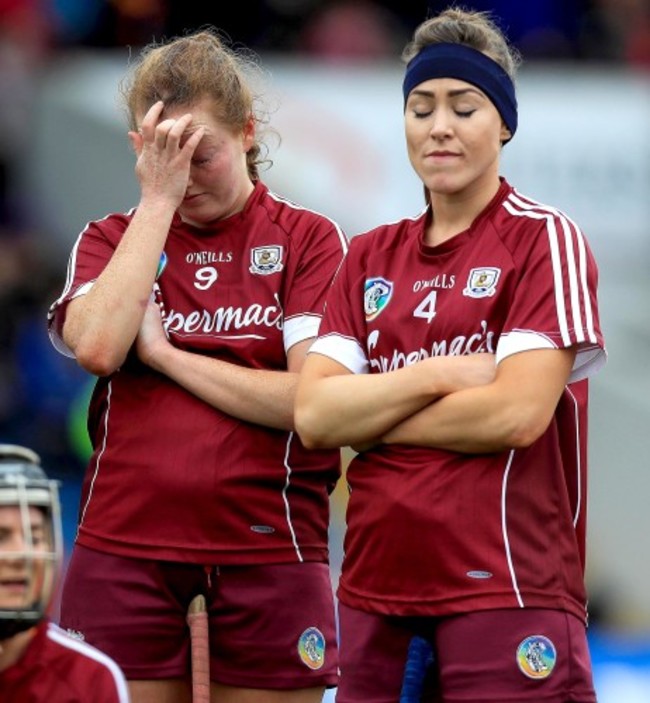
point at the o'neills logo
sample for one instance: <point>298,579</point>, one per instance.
<point>221,320</point>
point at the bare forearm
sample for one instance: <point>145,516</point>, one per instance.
<point>466,422</point>
<point>512,411</point>
<point>259,396</point>
<point>350,409</point>
<point>334,408</point>
<point>102,325</point>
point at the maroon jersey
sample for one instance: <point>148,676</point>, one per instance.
<point>56,668</point>
<point>172,477</point>
<point>435,532</point>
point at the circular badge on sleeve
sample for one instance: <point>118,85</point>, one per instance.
<point>536,657</point>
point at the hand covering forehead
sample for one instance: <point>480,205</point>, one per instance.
<point>469,65</point>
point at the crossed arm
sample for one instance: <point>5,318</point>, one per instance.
<point>256,395</point>
<point>462,404</point>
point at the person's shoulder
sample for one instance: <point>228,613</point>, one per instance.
<point>113,222</point>
<point>82,661</point>
<point>289,214</point>
<point>388,234</point>
<point>529,212</point>
<point>69,642</point>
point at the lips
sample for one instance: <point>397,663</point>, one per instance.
<point>14,586</point>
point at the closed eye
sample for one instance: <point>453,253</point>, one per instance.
<point>460,113</point>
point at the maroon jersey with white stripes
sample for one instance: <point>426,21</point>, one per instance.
<point>172,477</point>
<point>56,668</point>
<point>435,532</point>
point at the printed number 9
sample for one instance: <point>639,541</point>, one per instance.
<point>205,277</point>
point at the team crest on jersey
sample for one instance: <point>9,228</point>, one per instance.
<point>378,292</point>
<point>162,265</point>
<point>266,260</point>
<point>482,282</point>
<point>311,648</point>
<point>536,657</point>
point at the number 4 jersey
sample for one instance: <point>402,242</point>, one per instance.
<point>434,532</point>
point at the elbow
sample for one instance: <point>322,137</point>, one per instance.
<point>525,431</point>
<point>97,358</point>
<point>310,430</point>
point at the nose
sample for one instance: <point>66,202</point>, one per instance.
<point>14,559</point>
<point>441,124</point>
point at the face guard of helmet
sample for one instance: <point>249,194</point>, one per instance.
<point>30,539</point>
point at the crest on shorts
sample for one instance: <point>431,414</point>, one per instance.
<point>378,292</point>
<point>311,648</point>
<point>266,260</point>
<point>536,657</point>
<point>482,282</point>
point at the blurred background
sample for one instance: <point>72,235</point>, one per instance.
<point>334,90</point>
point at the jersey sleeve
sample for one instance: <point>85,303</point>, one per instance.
<point>92,251</point>
<point>555,303</point>
<point>89,674</point>
<point>342,335</point>
<point>317,255</point>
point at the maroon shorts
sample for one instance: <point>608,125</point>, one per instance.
<point>271,626</point>
<point>513,656</point>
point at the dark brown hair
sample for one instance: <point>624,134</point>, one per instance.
<point>477,30</point>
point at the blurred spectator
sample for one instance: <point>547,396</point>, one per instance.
<point>604,30</point>
<point>617,30</point>
<point>108,23</point>
<point>351,30</point>
<point>38,387</point>
<point>35,388</point>
<point>24,41</point>
<point>540,29</point>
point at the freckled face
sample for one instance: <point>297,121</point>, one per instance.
<point>219,184</point>
<point>21,579</point>
<point>453,135</point>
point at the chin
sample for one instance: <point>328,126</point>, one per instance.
<point>444,186</point>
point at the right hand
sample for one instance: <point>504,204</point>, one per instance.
<point>163,165</point>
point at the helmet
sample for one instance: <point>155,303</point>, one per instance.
<point>30,539</point>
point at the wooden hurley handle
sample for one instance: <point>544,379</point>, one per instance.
<point>197,620</point>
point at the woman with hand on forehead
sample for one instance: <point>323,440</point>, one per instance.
<point>195,310</point>
<point>453,355</point>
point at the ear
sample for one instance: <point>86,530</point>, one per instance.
<point>505,133</point>
<point>248,133</point>
<point>136,142</point>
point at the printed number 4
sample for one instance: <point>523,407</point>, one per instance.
<point>427,308</point>
<point>205,277</point>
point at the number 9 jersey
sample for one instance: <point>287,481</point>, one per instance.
<point>172,477</point>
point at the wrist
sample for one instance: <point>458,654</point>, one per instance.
<point>158,205</point>
<point>158,355</point>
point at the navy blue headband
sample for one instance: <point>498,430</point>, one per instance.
<point>466,64</point>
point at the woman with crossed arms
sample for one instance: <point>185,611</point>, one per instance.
<point>453,355</point>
